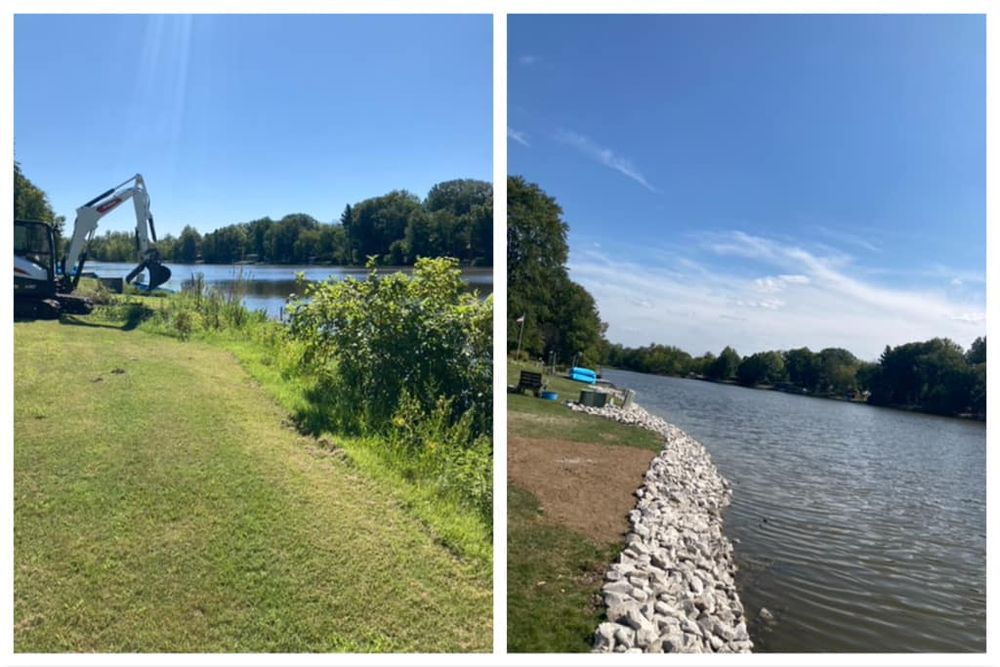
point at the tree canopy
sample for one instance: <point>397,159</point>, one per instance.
<point>560,316</point>
<point>31,202</point>
<point>934,376</point>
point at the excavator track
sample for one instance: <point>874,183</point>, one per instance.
<point>37,309</point>
<point>75,305</point>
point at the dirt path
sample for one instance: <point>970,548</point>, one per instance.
<point>583,486</point>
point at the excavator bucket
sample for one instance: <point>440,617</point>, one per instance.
<point>158,274</point>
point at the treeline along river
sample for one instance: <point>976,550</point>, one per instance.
<point>860,528</point>
<point>265,286</point>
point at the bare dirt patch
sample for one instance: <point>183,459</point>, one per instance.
<point>582,486</point>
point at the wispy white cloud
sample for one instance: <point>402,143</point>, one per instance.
<point>778,283</point>
<point>519,137</point>
<point>768,304</point>
<point>971,318</point>
<point>824,300</point>
<point>604,156</point>
<point>844,236</point>
<point>527,59</point>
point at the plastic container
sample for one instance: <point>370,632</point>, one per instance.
<point>593,399</point>
<point>550,396</point>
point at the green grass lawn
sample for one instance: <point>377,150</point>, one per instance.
<point>554,578</point>
<point>554,574</point>
<point>162,503</point>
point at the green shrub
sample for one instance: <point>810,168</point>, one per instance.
<point>376,338</point>
<point>185,323</point>
<point>407,358</point>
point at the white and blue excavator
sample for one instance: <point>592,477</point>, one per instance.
<point>43,286</point>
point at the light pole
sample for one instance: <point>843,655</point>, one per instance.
<point>520,334</point>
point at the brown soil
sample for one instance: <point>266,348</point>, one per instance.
<point>582,486</point>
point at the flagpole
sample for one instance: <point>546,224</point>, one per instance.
<point>520,334</point>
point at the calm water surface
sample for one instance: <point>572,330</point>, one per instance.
<point>860,528</point>
<point>267,285</point>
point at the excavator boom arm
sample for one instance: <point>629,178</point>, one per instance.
<point>85,226</point>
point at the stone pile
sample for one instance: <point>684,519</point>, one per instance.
<point>673,587</point>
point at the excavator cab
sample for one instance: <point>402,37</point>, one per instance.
<point>37,285</point>
<point>34,259</point>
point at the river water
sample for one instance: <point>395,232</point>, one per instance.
<point>267,286</point>
<point>860,528</point>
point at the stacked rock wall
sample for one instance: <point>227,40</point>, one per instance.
<point>673,587</point>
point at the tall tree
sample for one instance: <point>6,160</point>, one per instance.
<point>536,253</point>
<point>189,245</point>
<point>725,365</point>
<point>31,203</point>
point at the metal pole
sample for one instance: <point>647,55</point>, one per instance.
<point>520,334</point>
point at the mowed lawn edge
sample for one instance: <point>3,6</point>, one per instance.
<point>554,573</point>
<point>161,505</point>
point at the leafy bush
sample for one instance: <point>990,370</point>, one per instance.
<point>408,358</point>
<point>185,323</point>
<point>376,338</point>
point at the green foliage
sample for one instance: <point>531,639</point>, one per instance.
<point>187,245</point>
<point>433,446</point>
<point>561,317</point>
<point>654,358</point>
<point>30,202</point>
<point>837,369</point>
<point>761,368</point>
<point>934,376</point>
<point>185,324</point>
<point>408,358</point>
<point>977,351</point>
<point>802,366</point>
<point>725,365</point>
<point>376,223</point>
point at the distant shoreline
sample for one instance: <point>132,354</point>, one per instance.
<point>805,394</point>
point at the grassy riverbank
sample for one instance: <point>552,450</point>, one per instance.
<point>164,501</point>
<point>570,483</point>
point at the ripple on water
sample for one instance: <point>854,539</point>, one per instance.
<point>862,529</point>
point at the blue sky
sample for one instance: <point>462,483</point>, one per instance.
<point>231,118</point>
<point>762,181</point>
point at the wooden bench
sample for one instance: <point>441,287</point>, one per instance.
<point>530,381</point>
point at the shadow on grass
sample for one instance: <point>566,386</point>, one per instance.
<point>127,317</point>
<point>317,416</point>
